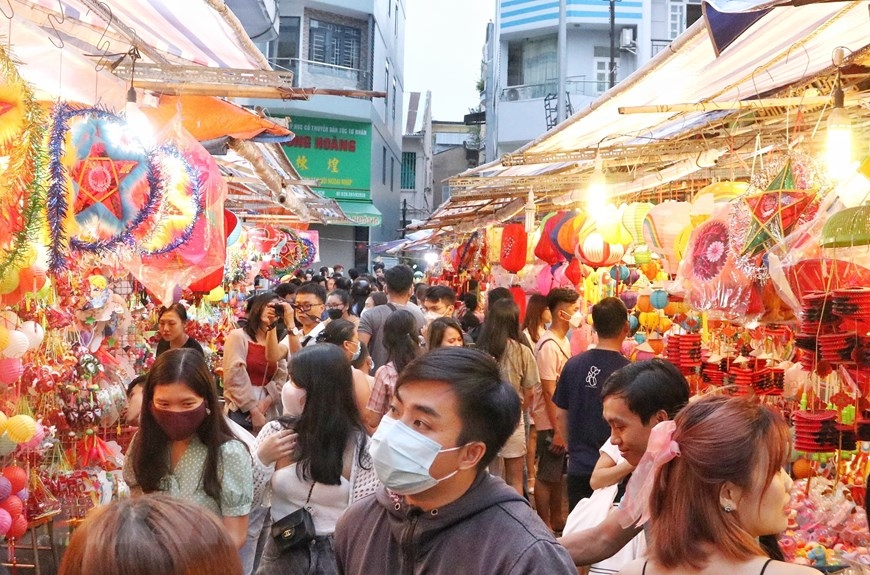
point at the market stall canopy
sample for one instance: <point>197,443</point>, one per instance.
<point>265,187</point>
<point>209,118</point>
<point>64,45</point>
<point>701,117</point>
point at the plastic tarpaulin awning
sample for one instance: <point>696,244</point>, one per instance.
<point>361,213</point>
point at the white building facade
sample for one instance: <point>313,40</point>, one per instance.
<point>523,66</point>
<point>353,146</point>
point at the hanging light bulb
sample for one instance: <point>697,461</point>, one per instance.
<point>530,212</point>
<point>596,192</point>
<point>839,125</point>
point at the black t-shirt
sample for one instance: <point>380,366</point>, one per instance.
<point>191,343</point>
<point>578,392</point>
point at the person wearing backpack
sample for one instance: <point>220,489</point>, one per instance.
<point>398,280</point>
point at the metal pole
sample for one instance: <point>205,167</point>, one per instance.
<point>404,216</point>
<point>562,41</point>
<point>612,43</point>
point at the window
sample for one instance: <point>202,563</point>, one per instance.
<point>409,170</point>
<point>602,71</point>
<point>334,44</point>
<point>532,61</point>
<point>285,49</point>
<point>395,97</point>
<point>387,87</point>
<point>676,18</point>
<point>392,174</point>
<point>384,167</point>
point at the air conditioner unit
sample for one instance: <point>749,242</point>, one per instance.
<point>513,95</point>
<point>626,38</point>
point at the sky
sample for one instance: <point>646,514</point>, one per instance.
<point>443,49</point>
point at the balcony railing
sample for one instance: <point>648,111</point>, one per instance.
<point>658,45</point>
<point>574,85</point>
<point>313,74</point>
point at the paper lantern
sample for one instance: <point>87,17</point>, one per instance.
<point>12,504</point>
<point>633,323</point>
<point>574,271</point>
<point>545,249</point>
<point>216,295</point>
<point>682,242</point>
<point>664,324</point>
<point>847,228</point>
<point>661,226</point>
<point>4,337</point>
<point>5,488</point>
<point>10,370</point>
<point>723,191</point>
<point>567,233</point>
<point>659,299</point>
<point>9,319</point>
<point>649,320</point>
<point>18,528</point>
<point>619,272</point>
<point>17,346</point>
<point>632,218</point>
<point>656,342</point>
<point>17,476</point>
<point>642,255</point>
<point>675,308</point>
<point>611,227</point>
<point>595,252</point>
<point>21,428</point>
<point>493,244</point>
<point>513,247</point>
<point>520,298</point>
<point>643,304</point>
<point>37,438</point>
<point>629,298</point>
<point>33,332</point>
<point>9,281</point>
<point>650,270</point>
<point>5,522</point>
<point>3,421</point>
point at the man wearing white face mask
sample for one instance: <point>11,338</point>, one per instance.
<point>578,395</point>
<point>440,301</point>
<point>439,510</point>
<point>551,353</point>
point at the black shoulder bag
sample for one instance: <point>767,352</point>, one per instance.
<point>296,529</point>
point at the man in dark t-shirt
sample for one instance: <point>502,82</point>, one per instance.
<point>578,395</point>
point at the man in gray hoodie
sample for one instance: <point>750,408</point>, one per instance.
<point>439,510</point>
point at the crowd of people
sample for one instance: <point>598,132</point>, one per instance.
<point>374,424</point>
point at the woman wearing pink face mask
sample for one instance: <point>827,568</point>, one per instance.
<point>184,447</point>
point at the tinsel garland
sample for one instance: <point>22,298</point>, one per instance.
<point>25,172</point>
<point>57,206</point>
<point>195,177</point>
<point>311,252</point>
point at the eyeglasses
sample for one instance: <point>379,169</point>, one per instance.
<point>335,306</point>
<point>305,307</point>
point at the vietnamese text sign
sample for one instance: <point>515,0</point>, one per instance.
<point>336,152</point>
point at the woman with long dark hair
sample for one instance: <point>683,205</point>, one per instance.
<point>444,332</point>
<point>255,363</point>
<point>403,346</point>
<point>341,333</point>
<point>185,448</point>
<point>500,337</point>
<point>319,460</point>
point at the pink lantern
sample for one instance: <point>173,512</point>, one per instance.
<point>10,370</point>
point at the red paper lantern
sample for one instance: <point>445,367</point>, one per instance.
<point>514,242</point>
<point>16,476</point>
<point>574,271</point>
<point>595,252</point>
<point>18,527</point>
<point>12,505</point>
<point>545,249</point>
<point>520,298</point>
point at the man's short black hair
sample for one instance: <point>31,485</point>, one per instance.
<point>399,279</point>
<point>282,290</point>
<point>378,266</point>
<point>561,295</point>
<point>314,289</point>
<point>609,317</point>
<point>488,406</point>
<point>353,273</point>
<point>138,380</point>
<point>647,387</point>
<point>441,293</point>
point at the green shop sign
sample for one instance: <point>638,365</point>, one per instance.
<point>336,152</point>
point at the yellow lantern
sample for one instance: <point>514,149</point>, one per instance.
<point>3,420</point>
<point>649,320</point>
<point>632,218</point>
<point>216,295</point>
<point>21,428</point>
